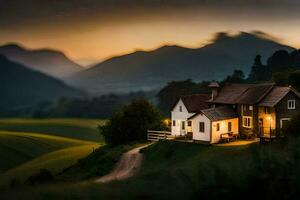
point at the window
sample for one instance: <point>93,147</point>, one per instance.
<point>218,126</point>
<point>182,125</point>
<point>250,107</point>
<point>247,122</point>
<point>229,126</point>
<point>291,104</point>
<point>201,127</point>
<point>244,108</point>
<point>267,110</point>
<point>189,123</point>
<point>180,108</point>
<point>174,123</point>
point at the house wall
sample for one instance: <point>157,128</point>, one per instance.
<point>243,110</point>
<point>282,111</point>
<point>269,119</point>
<point>223,128</point>
<point>179,117</point>
<point>200,136</point>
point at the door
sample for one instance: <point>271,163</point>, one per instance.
<point>283,124</point>
<point>261,126</point>
<point>182,128</point>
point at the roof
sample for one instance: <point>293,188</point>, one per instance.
<point>217,113</point>
<point>276,94</point>
<point>195,103</point>
<point>242,93</point>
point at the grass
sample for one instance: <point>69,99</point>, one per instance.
<point>83,129</point>
<point>171,170</point>
<point>55,161</point>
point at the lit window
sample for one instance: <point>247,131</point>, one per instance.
<point>267,110</point>
<point>189,123</point>
<point>244,108</point>
<point>180,108</point>
<point>247,122</point>
<point>174,123</point>
<point>250,107</point>
<point>201,127</point>
<point>291,104</point>
<point>218,126</point>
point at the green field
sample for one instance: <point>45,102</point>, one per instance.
<point>84,129</point>
<point>28,145</point>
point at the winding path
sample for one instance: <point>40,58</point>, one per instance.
<point>127,166</point>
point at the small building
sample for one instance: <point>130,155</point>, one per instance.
<point>184,108</point>
<point>208,125</point>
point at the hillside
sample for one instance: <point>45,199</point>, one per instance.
<point>146,70</point>
<point>48,61</point>
<point>21,87</point>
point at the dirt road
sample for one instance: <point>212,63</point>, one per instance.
<point>126,167</point>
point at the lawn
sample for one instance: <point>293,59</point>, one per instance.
<point>83,129</point>
<point>28,145</point>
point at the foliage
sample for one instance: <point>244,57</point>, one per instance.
<point>43,176</point>
<point>96,107</point>
<point>168,95</point>
<point>237,76</point>
<point>131,123</point>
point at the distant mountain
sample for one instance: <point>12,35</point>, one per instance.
<point>144,70</point>
<point>21,87</point>
<point>53,63</point>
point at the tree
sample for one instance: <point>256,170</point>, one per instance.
<point>131,123</point>
<point>294,79</point>
<point>236,77</point>
<point>259,72</point>
<point>168,95</point>
<point>279,59</point>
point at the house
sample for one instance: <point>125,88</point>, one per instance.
<point>184,108</point>
<point>251,110</point>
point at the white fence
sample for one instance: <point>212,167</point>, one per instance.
<point>159,135</point>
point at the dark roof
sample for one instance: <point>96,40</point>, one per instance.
<point>217,113</point>
<point>194,103</point>
<point>242,93</point>
<point>276,94</point>
<point>254,94</point>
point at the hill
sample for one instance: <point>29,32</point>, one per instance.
<point>22,87</point>
<point>48,61</point>
<point>147,70</point>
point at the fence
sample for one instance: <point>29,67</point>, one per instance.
<point>159,135</point>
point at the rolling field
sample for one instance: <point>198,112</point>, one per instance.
<point>84,129</point>
<point>27,145</point>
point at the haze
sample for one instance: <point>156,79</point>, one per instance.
<point>89,31</point>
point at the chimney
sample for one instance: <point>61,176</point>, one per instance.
<point>214,89</point>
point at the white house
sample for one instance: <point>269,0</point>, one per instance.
<point>209,124</point>
<point>184,108</point>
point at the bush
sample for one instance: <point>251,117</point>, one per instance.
<point>42,177</point>
<point>131,123</point>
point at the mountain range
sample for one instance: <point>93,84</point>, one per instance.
<point>50,62</point>
<point>148,70</point>
<point>21,87</point>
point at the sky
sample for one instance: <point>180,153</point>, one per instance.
<point>90,31</point>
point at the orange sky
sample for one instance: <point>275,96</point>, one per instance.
<point>91,38</point>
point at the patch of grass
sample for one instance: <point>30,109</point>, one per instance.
<point>55,162</point>
<point>83,129</point>
<point>18,147</point>
<point>97,164</point>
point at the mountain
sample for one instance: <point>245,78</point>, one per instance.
<point>21,87</point>
<point>146,70</point>
<point>50,62</point>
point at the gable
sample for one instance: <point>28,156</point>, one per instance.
<point>194,103</point>
<point>179,103</point>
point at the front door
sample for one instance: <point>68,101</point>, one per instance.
<point>261,126</point>
<point>182,128</point>
<point>284,123</point>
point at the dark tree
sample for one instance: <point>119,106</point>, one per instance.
<point>236,77</point>
<point>168,95</point>
<point>259,72</point>
<point>295,58</point>
<point>279,60</point>
<point>131,123</point>
<point>294,80</point>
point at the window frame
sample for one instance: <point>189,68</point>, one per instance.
<point>189,123</point>
<point>249,122</point>
<point>174,122</point>
<point>180,108</point>
<point>218,127</point>
<point>293,104</point>
<point>203,126</point>
<point>229,126</point>
<point>182,125</point>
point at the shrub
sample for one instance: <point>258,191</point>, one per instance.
<point>131,123</point>
<point>42,177</point>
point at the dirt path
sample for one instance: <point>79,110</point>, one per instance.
<point>126,167</point>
